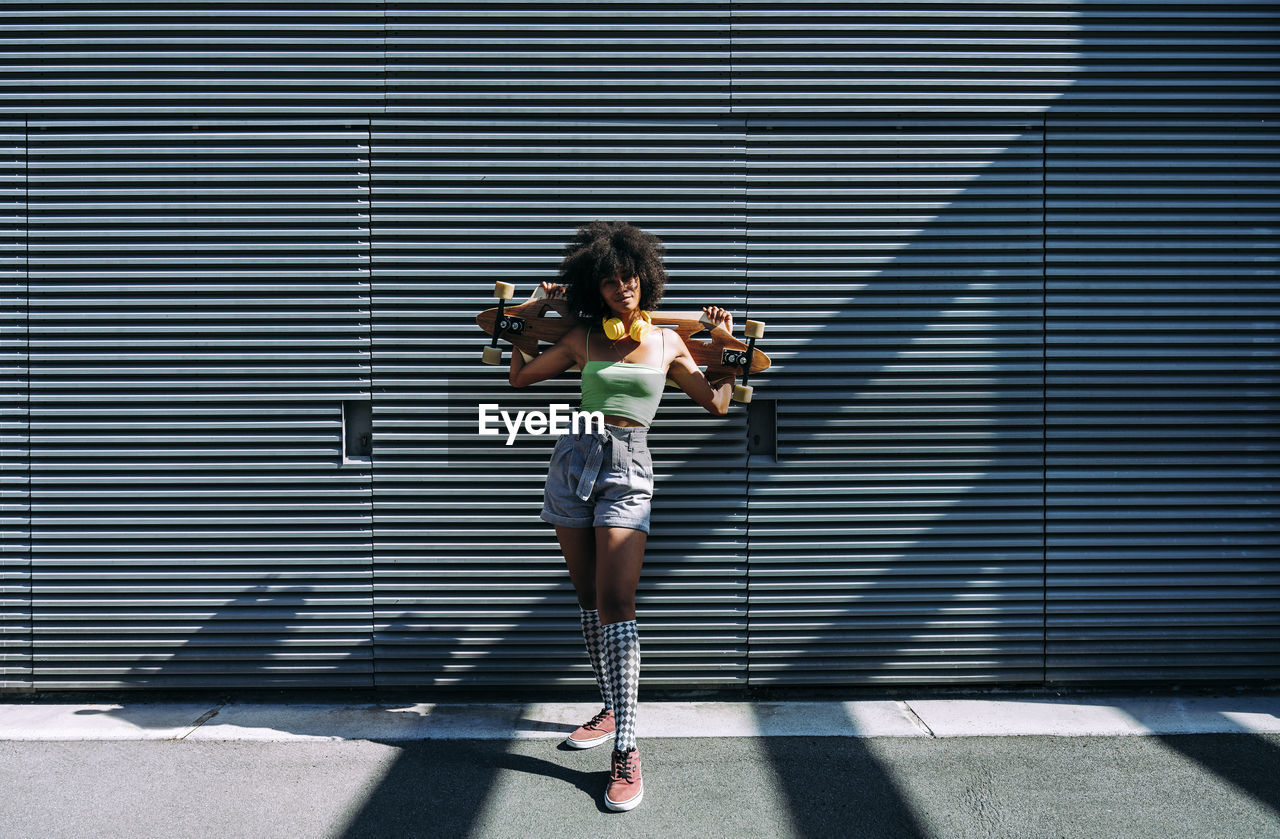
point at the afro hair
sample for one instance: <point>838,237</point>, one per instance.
<point>604,249</point>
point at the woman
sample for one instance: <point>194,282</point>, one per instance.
<point>599,486</point>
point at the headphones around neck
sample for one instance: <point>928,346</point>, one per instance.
<point>613,328</point>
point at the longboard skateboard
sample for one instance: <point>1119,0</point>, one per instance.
<point>545,320</point>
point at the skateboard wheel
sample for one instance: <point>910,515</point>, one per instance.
<point>527,358</point>
<point>504,291</point>
<point>753,329</point>
<point>493,355</point>
<point>742,393</point>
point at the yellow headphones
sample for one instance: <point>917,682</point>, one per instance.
<point>614,330</point>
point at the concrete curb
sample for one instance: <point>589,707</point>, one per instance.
<point>279,722</point>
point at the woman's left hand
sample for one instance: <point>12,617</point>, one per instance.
<point>717,315</point>
<point>552,290</point>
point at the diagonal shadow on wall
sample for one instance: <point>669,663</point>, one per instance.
<point>1007,633</point>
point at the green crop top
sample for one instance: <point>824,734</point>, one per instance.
<point>622,388</point>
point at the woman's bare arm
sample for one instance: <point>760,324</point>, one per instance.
<point>559,357</point>
<point>711,395</point>
<point>562,355</point>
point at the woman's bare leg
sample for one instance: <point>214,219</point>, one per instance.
<point>619,554</point>
<point>578,545</point>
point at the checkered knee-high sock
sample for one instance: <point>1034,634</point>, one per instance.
<point>593,634</point>
<point>622,653</point>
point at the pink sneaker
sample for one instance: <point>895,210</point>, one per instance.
<point>594,731</point>
<point>626,787</point>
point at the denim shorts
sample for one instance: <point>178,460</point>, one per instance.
<point>600,480</point>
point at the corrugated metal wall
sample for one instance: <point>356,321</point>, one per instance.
<point>1162,405</point>
<point>15,506</point>
<point>199,311</point>
<point>507,126</point>
<point>894,238</point>
<point>1162,327</point>
<point>898,536</point>
<point>471,586</point>
<point>919,216</point>
<point>1017,260</point>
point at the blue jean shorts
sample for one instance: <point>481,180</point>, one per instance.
<point>600,480</point>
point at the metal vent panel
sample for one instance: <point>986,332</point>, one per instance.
<point>15,453</point>
<point>183,59</point>
<point>897,537</point>
<point>1163,404</point>
<point>862,176</point>
<point>199,312</point>
<point>1007,58</point>
<point>586,58</point>
<point>471,586</point>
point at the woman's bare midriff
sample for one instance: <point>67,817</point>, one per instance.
<point>613,419</point>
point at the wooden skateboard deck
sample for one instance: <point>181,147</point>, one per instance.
<point>546,319</point>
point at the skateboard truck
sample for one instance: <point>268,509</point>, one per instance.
<point>506,324</point>
<point>752,330</point>
<point>504,292</point>
<point>741,359</point>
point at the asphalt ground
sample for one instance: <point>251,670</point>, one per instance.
<point>1193,785</point>
<point>1187,768</point>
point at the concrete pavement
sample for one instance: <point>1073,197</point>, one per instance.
<point>1065,716</point>
<point>1122,766</point>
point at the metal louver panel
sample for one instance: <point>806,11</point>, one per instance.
<point>204,180</point>
<point>896,236</point>
<point>1161,361</point>
<point>898,536</point>
<point>586,58</point>
<point>15,454</point>
<point>199,313</point>
<point>471,585</point>
<point>894,217</point>
<point>1163,400</point>
<point>1002,57</point>
<point>959,58</point>
<point>195,58</point>
<point>515,123</point>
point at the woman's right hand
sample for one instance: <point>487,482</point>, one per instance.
<point>551,290</point>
